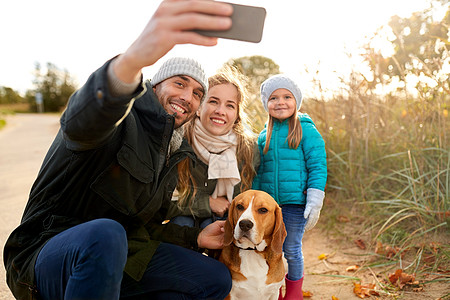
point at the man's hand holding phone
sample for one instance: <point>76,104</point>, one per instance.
<point>172,23</point>
<point>197,22</point>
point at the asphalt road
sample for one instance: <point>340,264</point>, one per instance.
<point>23,144</point>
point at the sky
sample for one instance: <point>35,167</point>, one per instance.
<point>80,36</point>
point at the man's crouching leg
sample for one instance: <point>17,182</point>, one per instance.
<point>178,273</point>
<point>83,262</point>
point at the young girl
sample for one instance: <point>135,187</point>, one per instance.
<point>293,170</point>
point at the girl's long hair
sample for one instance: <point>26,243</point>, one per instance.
<point>246,140</point>
<point>294,136</point>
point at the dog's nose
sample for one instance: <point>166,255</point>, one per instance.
<point>245,225</point>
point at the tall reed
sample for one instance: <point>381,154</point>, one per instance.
<point>390,156</point>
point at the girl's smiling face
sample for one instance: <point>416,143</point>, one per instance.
<point>281,104</point>
<point>220,109</point>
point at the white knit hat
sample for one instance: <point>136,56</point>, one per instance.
<point>181,66</point>
<point>276,82</point>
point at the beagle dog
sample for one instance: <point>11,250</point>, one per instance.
<point>254,236</point>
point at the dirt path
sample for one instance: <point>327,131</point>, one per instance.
<point>24,143</point>
<point>329,277</point>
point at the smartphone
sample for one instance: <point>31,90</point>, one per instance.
<point>247,24</point>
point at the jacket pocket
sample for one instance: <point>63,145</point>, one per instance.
<point>126,183</point>
<point>54,224</point>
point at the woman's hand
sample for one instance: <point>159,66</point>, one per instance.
<point>219,205</point>
<point>212,236</point>
<point>172,24</point>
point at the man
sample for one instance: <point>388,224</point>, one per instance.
<point>93,226</point>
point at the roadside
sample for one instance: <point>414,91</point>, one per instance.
<point>23,144</point>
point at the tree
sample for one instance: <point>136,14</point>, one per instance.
<point>9,96</point>
<point>55,86</point>
<point>420,46</point>
<point>256,69</point>
<point>420,59</point>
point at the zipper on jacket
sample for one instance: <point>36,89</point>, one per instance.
<point>167,158</point>
<point>173,161</point>
<point>167,135</point>
<point>175,158</point>
<point>276,162</point>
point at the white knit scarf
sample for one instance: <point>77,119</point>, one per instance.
<point>219,153</point>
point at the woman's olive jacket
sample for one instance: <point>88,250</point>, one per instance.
<point>108,160</point>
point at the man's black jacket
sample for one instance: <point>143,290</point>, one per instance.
<point>108,160</point>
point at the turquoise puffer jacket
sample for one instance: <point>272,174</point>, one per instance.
<point>287,173</point>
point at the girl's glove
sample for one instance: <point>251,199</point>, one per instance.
<point>314,202</point>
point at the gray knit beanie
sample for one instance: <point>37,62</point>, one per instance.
<point>181,66</point>
<point>276,82</point>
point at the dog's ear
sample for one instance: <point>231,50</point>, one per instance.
<point>229,226</point>
<point>279,232</point>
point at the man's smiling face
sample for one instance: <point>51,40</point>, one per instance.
<point>181,95</point>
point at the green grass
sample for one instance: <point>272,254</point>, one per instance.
<point>389,175</point>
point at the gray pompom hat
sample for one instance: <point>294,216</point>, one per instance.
<point>276,82</point>
<point>181,66</point>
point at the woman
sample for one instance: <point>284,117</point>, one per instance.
<point>225,152</point>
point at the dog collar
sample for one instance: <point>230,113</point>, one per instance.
<point>248,248</point>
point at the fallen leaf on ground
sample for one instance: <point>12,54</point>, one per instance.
<point>400,279</point>
<point>379,248</point>
<point>393,278</point>
<point>307,294</point>
<point>363,291</point>
<point>334,298</point>
<point>390,252</point>
<point>352,268</point>
<point>323,256</point>
<point>360,243</point>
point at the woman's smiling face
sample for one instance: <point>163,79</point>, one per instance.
<point>220,109</point>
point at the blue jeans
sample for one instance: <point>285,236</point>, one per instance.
<point>190,221</point>
<point>87,261</point>
<point>295,222</point>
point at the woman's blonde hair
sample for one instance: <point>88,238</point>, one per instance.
<point>294,136</point>
<point>245,139</point>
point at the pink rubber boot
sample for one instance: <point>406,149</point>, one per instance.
<point>293,289</point>
<point>280,295</point>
